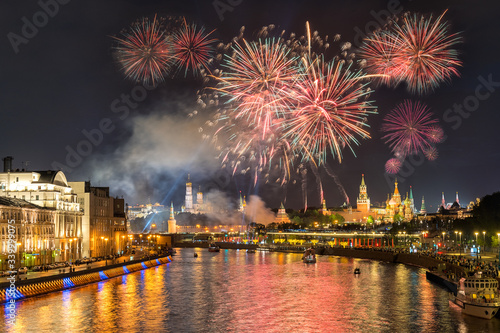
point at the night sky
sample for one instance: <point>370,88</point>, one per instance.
<point>62,80</point>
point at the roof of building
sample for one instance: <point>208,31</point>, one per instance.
<point>52,177</point>
<point>16,202</point>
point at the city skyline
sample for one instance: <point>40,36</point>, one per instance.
<point>142,143</point>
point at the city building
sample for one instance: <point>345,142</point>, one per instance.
<point>281,216</point>
<point>172,224</point>
<point>363,202</point>
<point>48,189</point>
<point>104,226</point>
<point>34,230</point>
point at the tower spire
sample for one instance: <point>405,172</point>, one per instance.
<point>422,208</point>
<point>458,202</point>
<point>443,203</point>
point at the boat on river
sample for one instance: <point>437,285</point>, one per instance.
<point>213,248</point>
<point>477,296</point>
<point>309,256</point>
<point>357,271</point>
<point>250,250</point>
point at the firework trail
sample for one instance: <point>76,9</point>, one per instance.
<point>332,174</point>
<point>410,128</point>
<point>330,109</point>
<point>393,166</point>
<point>193,48</point>
<point>145,52</point>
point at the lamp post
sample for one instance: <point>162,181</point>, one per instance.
<point>106,251</point>
<point>102,244</point>
<point>456,237</point>
<point>484,238</point>
<point>477,249</point>
<point>70,250</point>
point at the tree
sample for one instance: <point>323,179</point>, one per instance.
<point>336,219</point>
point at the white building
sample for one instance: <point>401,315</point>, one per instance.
<point>48,189</point>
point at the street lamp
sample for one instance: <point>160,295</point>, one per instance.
<point>456,238</point>
<point>484,238</point>
<point>70,250</point>
<point>444,233</point>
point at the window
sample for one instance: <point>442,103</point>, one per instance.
<point>37,197</point>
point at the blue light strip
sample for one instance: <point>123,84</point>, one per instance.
<point>144,265</point>
<point>68,283</point>
<point>125,269</point>
<point>103,276</point>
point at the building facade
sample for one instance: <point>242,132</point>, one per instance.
<point>48,189</point>
<point>104,226</point>
<point>33,228</point>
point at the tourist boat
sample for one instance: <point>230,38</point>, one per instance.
<point>250,250</point>
<point>309,256</point>
<point>213,248</point>
<point>357,271</point>
<point>477,296</point>
<point>196,255</point>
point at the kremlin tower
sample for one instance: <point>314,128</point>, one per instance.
<point>172,224</point>
<point>423,211</point>
<point>363,201</point>
<point>189,197</point>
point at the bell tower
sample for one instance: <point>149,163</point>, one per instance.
<point>363,201</point>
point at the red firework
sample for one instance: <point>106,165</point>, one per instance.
<point>409,128</point>
<point>415,49</point>
<point>427,48</point>
<point>393,165</point>
<point>256,81</point>
<point>436,134</point>
<point>145,52</point>
<point>330,109</point>
<point>431,153</point>
<point>381,56</point>
<point>193,48</point>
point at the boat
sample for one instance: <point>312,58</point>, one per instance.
<point>357,271</point>
<point>250,250</point>
<point>309,256</point>
<point>213,248</point>
<point>477,296</point>
<point>196,255</point>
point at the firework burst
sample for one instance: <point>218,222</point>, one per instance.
<point>145,52</point>
<point>381,55</point>
<point>410,128</point>
<point>330,111</point>
<point>431,153</point>
<point>393,166</point>
<point>193,48</point>
<point>256,83</point>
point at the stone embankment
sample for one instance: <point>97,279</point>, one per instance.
<point>222,245</point>
<point>16,290</point>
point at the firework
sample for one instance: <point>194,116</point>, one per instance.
<point>381,55</point>
<point>431,153</point>
<point>415,49</point>
<point>427,48</point>
<point>436,134</point>
<point>257,79</point>
<point>193,48</point>
<point>145,52</point>
<point>330,110</point>
<point>409,128</point>
<point>393,165</point>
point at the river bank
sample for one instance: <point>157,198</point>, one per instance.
<point>20,289</point>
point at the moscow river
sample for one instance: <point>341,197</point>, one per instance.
<point>236,291</point>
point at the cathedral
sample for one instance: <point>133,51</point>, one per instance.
<point>191,206</point>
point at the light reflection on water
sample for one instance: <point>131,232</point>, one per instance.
<point>235,291</point>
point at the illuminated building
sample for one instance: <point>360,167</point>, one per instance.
<point>48,189</point>
<point>363,202</point>
<point>281,216</point>
<point>172,224</point>
<point>189,197</point>
<point>34,230</point>
<point>104,220</point>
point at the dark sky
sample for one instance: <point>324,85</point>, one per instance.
<point>63,80</point>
